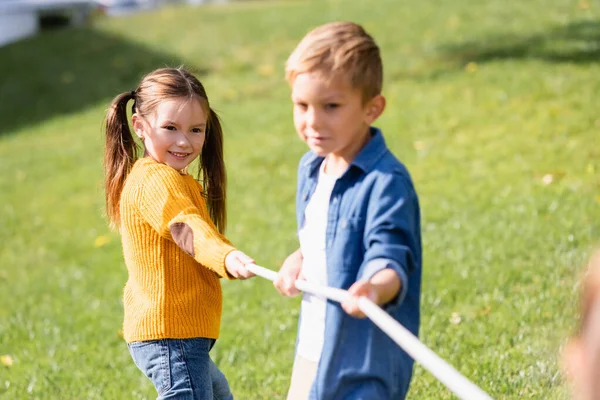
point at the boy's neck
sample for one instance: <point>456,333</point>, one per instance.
<point>336,163</point>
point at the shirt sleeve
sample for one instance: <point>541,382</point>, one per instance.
<point>392,232</point>
<point>165,203</point>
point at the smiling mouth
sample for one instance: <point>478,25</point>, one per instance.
<point>179,155</point>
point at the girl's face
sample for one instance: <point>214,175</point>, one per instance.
<point>174,133</point>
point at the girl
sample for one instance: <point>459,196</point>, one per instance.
<point>581,357</point>
<point>172,231</point>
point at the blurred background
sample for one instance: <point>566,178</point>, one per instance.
<point>492,105</point>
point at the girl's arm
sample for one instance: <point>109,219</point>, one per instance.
<point>164,202</point>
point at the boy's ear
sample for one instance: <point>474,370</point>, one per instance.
<point>375,108</point>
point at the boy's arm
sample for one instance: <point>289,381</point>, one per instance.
<point>382,288</point>
<point>392,243</point>
<point>288,274</point>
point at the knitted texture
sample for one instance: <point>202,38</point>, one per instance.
<point>169,293</point>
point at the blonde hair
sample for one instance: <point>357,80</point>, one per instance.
<point>121,151</point>
<point>339,49</point>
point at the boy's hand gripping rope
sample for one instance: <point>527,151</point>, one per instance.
<point>444,372</point>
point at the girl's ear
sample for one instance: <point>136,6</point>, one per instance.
<point>374,108</point>
<point>138,125</point>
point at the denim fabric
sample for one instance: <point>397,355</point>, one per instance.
<point>181,369</point>
<point>373,223</point>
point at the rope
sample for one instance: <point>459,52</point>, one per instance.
<point>444,372</point>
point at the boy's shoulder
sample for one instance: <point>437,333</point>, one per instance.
<point>308,163</point>
<point>379,163</point>
<point>375,160</point>
<point>388,175</point>
<point>308,159</point>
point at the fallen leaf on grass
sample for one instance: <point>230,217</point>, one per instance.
<point>455,318</point>
<point>266,70</point>
<point>101,241</point>
<point>471,67</point>
<point>419,145</point>
<point>6,360</point>
<point>547,179</point>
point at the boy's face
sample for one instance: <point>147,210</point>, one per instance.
<point>330,116</point>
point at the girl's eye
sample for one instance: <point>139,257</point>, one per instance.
<point>197,130</point>
<point>331,106</point>
<point>170,128</point>
<point>301,106</point>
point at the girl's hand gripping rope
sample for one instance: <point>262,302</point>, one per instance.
<point>236,262</point>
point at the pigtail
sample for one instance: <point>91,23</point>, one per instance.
<point>119,155</point>
<point>212,167</point>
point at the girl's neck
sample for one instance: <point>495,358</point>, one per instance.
<point>181,171</point>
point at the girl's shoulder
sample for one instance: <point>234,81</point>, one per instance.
<point>148,174</point>
<point>153,171</point>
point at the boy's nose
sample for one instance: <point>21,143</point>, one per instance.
<point>311,117</point>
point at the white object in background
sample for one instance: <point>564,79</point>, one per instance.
<point>17,25</point>
<point>21,18</point>
<point>200,2</point>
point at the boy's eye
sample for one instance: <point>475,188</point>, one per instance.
<point>331,106</point>
<point>302,106</point>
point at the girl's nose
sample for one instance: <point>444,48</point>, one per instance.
<point>183,141</point>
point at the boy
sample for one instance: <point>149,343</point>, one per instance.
<point>358,219</point>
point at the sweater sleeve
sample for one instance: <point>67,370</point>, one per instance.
<point>166,205</point>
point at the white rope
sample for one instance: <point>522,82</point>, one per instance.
<point>444,372</point>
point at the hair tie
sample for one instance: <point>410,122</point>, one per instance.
<point>132,93</point>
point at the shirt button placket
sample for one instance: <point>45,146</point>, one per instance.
<point>332,216</point>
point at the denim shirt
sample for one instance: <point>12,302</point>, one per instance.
<point>373,223</point>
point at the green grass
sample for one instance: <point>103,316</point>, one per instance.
<point>484,100</point>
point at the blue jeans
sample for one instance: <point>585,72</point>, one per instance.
<point>181,369</point>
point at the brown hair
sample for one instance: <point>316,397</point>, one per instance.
<point>121,150</point>
<point>339,48</point>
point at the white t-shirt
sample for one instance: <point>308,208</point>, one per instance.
<point>314,268</point>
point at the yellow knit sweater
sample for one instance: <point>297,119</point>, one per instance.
<point>174,255</point>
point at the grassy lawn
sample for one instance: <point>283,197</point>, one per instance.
<point>492,105</point>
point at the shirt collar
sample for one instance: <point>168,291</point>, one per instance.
<point>372,152</point>
<point>364,160</point>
